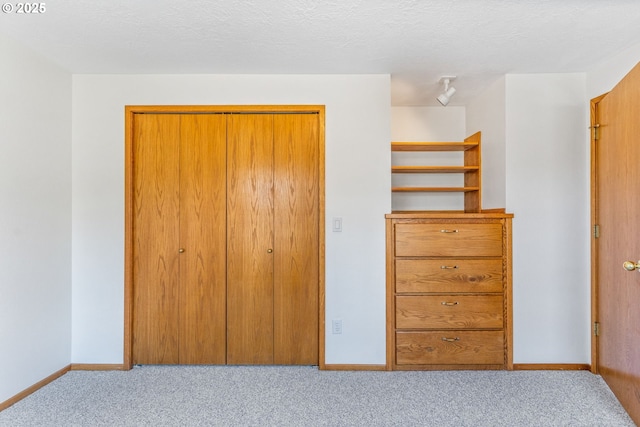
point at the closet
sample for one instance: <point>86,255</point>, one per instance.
<point>224,244</point>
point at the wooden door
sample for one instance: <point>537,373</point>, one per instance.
<point>296,246</point>
<point>179,264</point>
<point>203,237</point>
<point>156,187</point>
<point>273,239</point>
<point>224,219</point>
<point>250,239</point>
<point>617,173</point>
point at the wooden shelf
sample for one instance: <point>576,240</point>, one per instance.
<point>433,189</point>
<point>434,169</point>
<point>470,169</point>
<point>433,146</point>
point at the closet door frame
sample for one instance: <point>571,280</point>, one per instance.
<point>130,112</point>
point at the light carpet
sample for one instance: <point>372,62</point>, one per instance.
<point>305,396</point>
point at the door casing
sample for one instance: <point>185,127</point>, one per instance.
<point>130,111</point>
<point>594,221</point>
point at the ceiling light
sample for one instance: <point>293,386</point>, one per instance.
<point>449,91</point>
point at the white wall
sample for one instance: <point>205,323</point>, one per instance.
<point>487,113</point>
<point>35,218</point>
<point>603,77</point>
<point>357,189</point>
<point>547,188</point>
<point>427,124</point>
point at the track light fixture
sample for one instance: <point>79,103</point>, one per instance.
<point>449,91</point>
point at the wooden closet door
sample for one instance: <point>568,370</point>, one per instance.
<point>203,263</point>
<point>250,239</point>
<point>155,238</point>
<point>296,245</point>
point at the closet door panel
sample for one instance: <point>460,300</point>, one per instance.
<point>155,238</point>
<point>250,239</point>
<point>202,302</point>
<point>296,205</point>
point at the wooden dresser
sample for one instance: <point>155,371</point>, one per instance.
<point>449,291</point>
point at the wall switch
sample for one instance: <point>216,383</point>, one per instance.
<point>337,224</point>
<point>336,326</point>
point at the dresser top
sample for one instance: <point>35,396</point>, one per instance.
<point>497,213</point>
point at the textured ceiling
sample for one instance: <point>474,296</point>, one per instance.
<point>415,41</point>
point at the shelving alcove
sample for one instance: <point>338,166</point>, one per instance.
<point>471,168</point>
<point>449,274</point>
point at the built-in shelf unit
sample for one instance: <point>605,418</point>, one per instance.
<point>471,169</point>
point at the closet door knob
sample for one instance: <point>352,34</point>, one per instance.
<point>181,250</point>
<point>630,265</point>
<point>269,250</point>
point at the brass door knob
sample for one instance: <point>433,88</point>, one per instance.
<point>630,265</point>
<point>269,250</point>
<point>181,250</point>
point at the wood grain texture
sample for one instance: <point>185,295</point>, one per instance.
<point>593,121</point>
<point>449,311</point>
<point>129,191</point>
<point>434,189</point>
<point>432,146</point>
<point>155,238</point>
<point>249,239</point>
<point>434,169</point>
<point>451,367</point>
<point>203,235</point>
<point>416,217</point>
<point>508,290</point>
<point>131,112</point>
<point>449,275</point>
<point>458,347</point>
<point>390,293</point>
<point>476,293</point>
<point>471,169</point>
<point>98,367</point>
<point>551,367</point>
<point>296,246</point>
<point>473,157</point>
<point>449,240</point>
<point>199,109</point>
<point>321,238</point>
<point>618,207</point>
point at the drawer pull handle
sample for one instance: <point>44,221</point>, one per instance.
<point>448,267</point>
<point>449,304</point>
<point>450,339</point>
<point>448,231</point>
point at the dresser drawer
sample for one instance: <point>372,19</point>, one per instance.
<point>449,240</point>
<point>450,275</point>
<point>449,312</point>
<point>450,347</point>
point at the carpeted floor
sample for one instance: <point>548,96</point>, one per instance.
<point>305,396</point>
